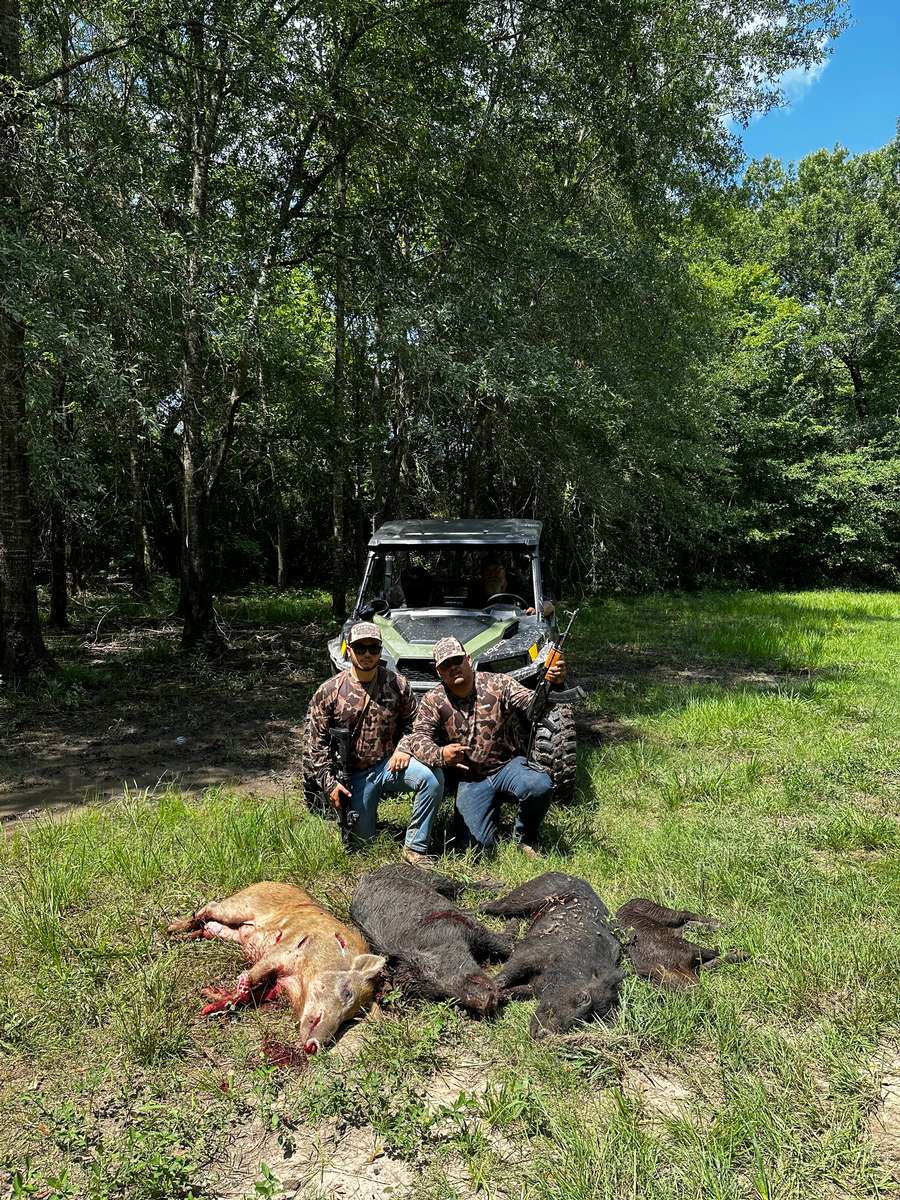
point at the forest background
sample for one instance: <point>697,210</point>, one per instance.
<point>273,274</point>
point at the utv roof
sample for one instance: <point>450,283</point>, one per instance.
<point>457,533</point>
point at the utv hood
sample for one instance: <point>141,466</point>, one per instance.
<point>412,635</point>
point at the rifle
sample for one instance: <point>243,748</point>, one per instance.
<point>339,739</point>
<point>541,698</point>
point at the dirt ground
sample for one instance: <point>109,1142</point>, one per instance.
<point>140,714</point>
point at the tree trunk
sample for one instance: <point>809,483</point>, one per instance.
<point>476,472</point>
<point>338,559</point>
<point>76,557</point>
<point>859,389</point>
<point>281,544</point>
<point>63,424</point>
<point>339,580</point>
<point>196,604</point>
<point>199,618</point>
<point>399,447</point>
<point>21,642</point>
<point>140,542</point>
<point>59,592</point>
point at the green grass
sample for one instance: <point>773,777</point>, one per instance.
<point>266,606</point>
<point>755,775</point>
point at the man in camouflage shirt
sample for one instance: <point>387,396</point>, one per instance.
<point>470,725</point>
<point>378,707</point>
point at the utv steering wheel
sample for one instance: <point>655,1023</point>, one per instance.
<point>379,605</point>
<point>505,596</point>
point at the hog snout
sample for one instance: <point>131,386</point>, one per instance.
<point>306,1033</point>
<point>545,1022</point>
<point>480,996</point>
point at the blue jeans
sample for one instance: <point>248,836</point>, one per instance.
<point>369,785</point>
<point>478,802</point>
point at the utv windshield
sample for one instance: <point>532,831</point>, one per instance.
<point>456,577</point>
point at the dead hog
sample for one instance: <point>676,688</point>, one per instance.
<point>657,950</point>
<point>568,957</point>
<point>433,947</point>
<point>298,950</point>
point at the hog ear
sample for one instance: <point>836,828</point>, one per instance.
<point>368,965</point>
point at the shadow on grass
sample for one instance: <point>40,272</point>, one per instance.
<point>129,708</point>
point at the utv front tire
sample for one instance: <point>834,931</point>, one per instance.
<point>555,750</point>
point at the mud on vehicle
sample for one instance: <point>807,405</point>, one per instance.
<point>422,581</point>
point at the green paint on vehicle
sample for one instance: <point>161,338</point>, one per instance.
<point>398,647</point>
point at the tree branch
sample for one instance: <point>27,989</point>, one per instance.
<point>94,56</point>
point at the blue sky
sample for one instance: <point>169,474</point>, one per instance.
<point>854,99</point>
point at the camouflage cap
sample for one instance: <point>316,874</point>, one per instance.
<point>448,647</point>
<point>364,629</point>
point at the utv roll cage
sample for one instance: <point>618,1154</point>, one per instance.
<point>520,536</point>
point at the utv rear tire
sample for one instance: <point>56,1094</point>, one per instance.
<point>555,747</point>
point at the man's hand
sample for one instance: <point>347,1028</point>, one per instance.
<point>557,673</point>
<point>453,755</point>
<point>398,762</point>
<point>337,795</point>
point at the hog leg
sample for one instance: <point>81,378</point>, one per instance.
<point>223,912</point>
<point>521,991</point>
<point>453,889</point>
<point>521,969</point>
<point>699,919</point>
<point>257,984</point>
<point>671,918</point>
<point>486,943</point>
<point>186,928</point>
<point>444,886</point>
<point>733,956</point>
<point>528,898</point>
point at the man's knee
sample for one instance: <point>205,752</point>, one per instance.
<point>546,787</point>
<point>538,786</point>
<point>428,781</point>
<point>431,779</point>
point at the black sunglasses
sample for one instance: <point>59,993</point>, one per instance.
<point>451,662</point>
<point>366,647</point>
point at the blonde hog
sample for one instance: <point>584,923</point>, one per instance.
<point>298,952</point>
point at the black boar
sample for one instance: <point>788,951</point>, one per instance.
<point>657,950</point>
<point>434,948</point>
<point>568,957</point>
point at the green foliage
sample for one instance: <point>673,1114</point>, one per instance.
<point>544,309</point>
<point>801,265</point>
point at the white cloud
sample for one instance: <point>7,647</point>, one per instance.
<point>796,81</point>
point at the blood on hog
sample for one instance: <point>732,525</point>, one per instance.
<point>300,953</point>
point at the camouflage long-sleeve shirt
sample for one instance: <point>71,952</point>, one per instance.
<point>487,722</point>
<point>339,702</point>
